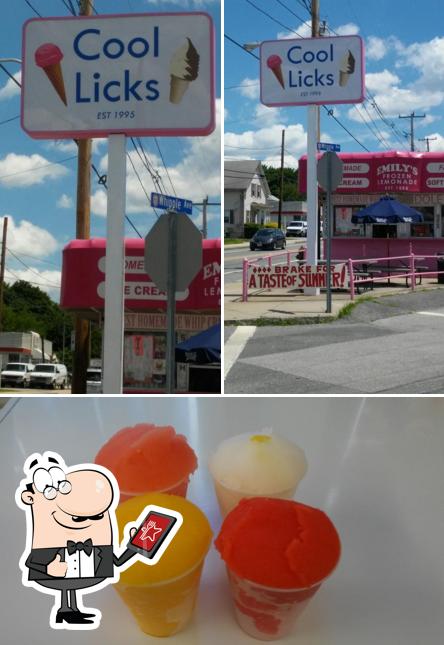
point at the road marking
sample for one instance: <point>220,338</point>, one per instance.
<point>235,346</point>
<point>430,313</point>
<point>236,271</point>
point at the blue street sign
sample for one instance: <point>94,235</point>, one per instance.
<point>172,203</point>
<point>329,147</point>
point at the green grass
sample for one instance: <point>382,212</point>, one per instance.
<point>234,240</point>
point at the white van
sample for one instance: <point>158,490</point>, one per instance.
<point>17,375</point>
<point>94,380</point>
<point>53,375</point>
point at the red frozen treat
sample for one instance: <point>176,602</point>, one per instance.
<point>274,62</point>
<point>48,56</point>
<point>147,458</point>
<point>277,553</point>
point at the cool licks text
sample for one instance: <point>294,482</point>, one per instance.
<point>89,45</point>
<point>297,78</point>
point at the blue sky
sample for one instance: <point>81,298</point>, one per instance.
<point>404,45</point>
<point>40,201</point>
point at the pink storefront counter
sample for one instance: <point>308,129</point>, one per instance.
<point>197,309</point>
<point>413,178</point>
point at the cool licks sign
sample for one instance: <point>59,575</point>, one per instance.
<point>141,74</point>
<point>310,71</point>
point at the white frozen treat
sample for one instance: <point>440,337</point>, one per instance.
<point>346,67</point>
<point>258,465</point>
<point>184,68</point>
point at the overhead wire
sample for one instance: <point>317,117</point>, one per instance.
<point>281,24</point>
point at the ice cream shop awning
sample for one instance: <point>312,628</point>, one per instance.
<point>387,172</point>
<point>83,278</point>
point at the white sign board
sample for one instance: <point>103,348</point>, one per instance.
<point>138,74</point>
<point>312,71</point>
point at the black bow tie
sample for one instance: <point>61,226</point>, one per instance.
<point>86,546</point>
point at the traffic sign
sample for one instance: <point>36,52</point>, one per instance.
<point>171,203</point>
<point>188,251</point>
<point>329,147</point>
<point>330,171</point>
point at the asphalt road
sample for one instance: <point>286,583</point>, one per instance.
<point>234,255</point>
<point>394,345</point>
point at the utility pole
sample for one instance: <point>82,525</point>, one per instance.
<point>312,183</point>
<point>412,116</point>
<point>2,268</point>
<point>83,214</point>
<point>281,190</point>
<point>427,139</point>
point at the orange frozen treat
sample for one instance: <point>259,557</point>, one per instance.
<point>146,458</point>
<point>162,597</point>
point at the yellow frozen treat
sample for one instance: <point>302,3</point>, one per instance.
<point>162,597</point>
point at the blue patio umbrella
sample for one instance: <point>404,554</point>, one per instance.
<point>387,211</point>
<point>201,348</point>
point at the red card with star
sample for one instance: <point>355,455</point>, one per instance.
<point>152,533</point>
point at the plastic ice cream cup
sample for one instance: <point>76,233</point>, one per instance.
<point>162,597</point>
<point>253,465</point>
<point>277,553</point>
<point>146,458</point>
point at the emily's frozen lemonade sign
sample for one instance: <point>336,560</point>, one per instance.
<point>142,74</point>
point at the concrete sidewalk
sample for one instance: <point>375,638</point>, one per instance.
<point>281,304</point>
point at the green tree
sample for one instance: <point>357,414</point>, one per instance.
<point>290,187</point>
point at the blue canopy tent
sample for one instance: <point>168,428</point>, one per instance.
<point>202,348</point>
<point>387,211</point>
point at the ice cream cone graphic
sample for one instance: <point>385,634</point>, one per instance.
<point>184,68</point>
<point>275,64</point>
<point>347,67</point>
<point>48,56</point>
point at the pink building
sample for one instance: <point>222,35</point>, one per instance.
<point>414,178</point>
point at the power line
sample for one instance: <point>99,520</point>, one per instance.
<point>293,13</point>
<point>38,284</point>
<point>164,165</point>
<point>241,47</point>
<point>11,76</point>
<point>13,118</point>
<point>281,24</point>
<point>34,9</point>
<point>52,163</point>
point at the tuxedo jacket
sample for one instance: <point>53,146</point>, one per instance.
<point>104,561</point>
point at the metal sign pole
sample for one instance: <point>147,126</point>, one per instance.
<point>312,194</point>
<point>171,302</point>
<point>114,266</point>
<point>328,232</point>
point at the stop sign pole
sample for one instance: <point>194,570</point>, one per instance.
<point>171,302</point>
<point>329,177</point>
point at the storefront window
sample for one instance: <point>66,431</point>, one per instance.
<point>342,222</point>
<point>425,228</point>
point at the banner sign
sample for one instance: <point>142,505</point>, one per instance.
<point>296,277</point>
<point>83,278</point>
<point>387,172</point>
<point>149,74</point>
<point>312,71</point>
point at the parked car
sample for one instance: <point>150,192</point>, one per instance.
<point>17,375</point>
<point>268,238</point>
<point>53,375</point>
<point>297,228</point>
<point>94,380</point>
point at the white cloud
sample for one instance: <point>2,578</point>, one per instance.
<point>196,175</point>
<point>64,201</point>
<point>376,48</point>
<point>27,170</point>
<point>28,238</point>
<point>249,87</point>
<point>47,281</point>
<point>265,144</point>
<point>381,81</point>
<point>10,88</point>
<point>436,144</point>
<point>427,58</point>
<point>348,29</point>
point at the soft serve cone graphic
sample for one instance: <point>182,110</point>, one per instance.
<point>48,56</point>
<point>347,67</point>
<point>184,68</point>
